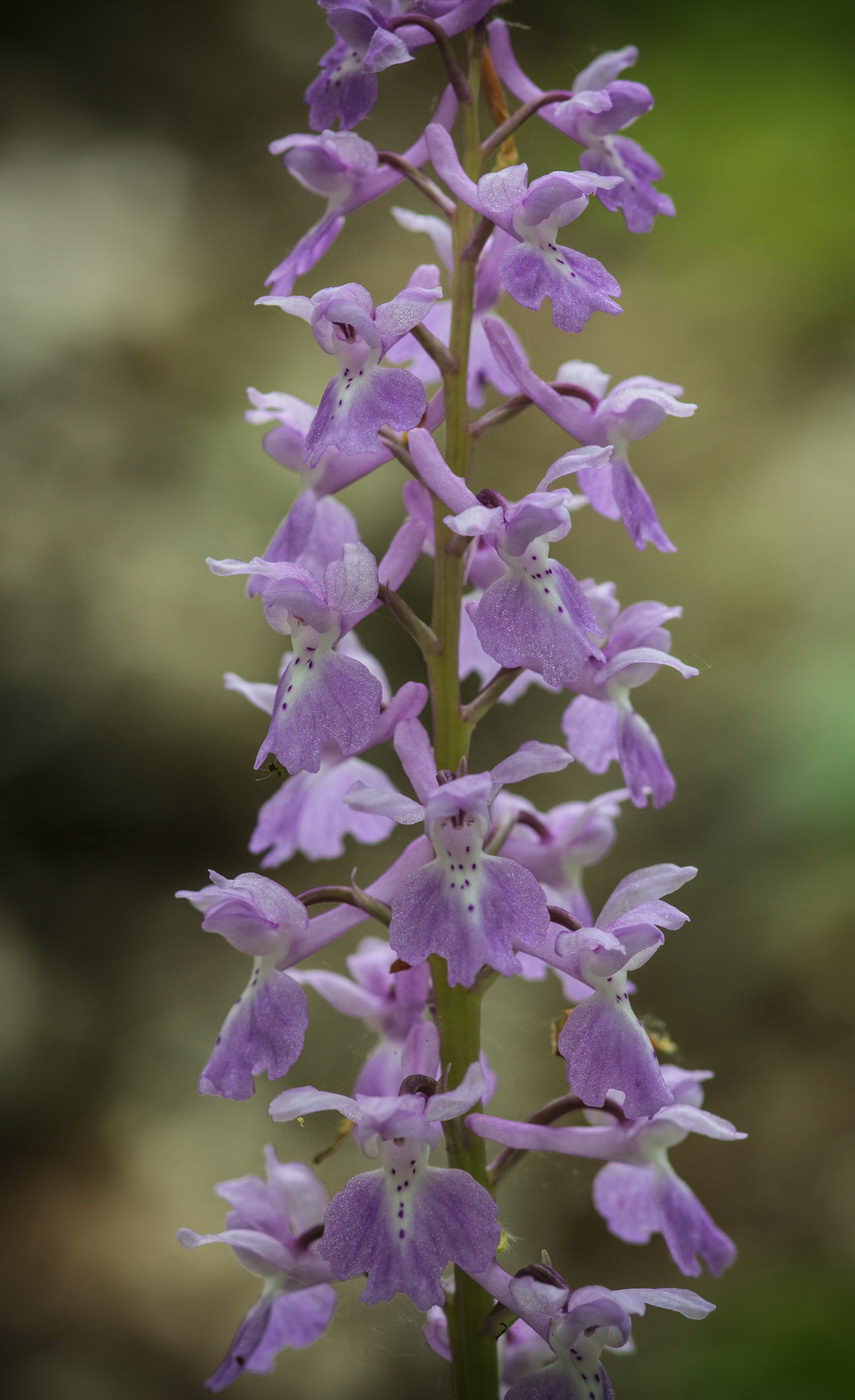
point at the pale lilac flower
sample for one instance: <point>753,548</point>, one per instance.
<point>390,1003</point>
<point>535,614</point>
<point>538,267</point>
<point>346,88</point>
<point>639,1193</point>
<point>273,1228</point>
<point>344,169</point>
<point>403,1224</point>
<point>323,696</point>
<point>579,1325</point>
<point>363,396</point>
<point>560,845</point>
<point>630,411</point>
<point>601,724</point>
<point>603,1043</point>
<point>308,814</point>
<point>265,1029</point>
<point>469,907</point>
<point>600,106</point>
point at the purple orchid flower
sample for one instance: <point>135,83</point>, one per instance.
<point>578,1325</point>
<point>390,1003</point>
<point>403,1224</point>
<point>344,169</point>
<point>538,268</point>
<point>363,396</point>
<point>639,1194</point>
<point>265,1029</point>
<point>346,88</point>
<point>601,724</point>
<point>603,1043</point>
<point>469,907</point>
<point>534,614</point>
<point>483,368</point>
<point>273,1228</point>
<point>634,408</point>
<point>559,845</point>
<point>601,105</point>
<point>323,696</point>
<point>629,411</point>
<point>308,814</point>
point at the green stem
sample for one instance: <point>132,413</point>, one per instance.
<point>458,1009</point>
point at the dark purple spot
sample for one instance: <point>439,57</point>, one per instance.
<point>401,1234</point>
<point>471,908</point>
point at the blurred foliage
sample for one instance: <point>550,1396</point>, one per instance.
<point>140,215</point>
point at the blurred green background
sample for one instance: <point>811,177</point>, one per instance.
<point>140,216</point>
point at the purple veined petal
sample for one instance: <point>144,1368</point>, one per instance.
<point>403,553</point>
<point>437,475</point>
<point>277,1321</point>
<point>606,1048</point>
<point>469,796</point>
<point>438,230</point>
<point>644,769</point>
<point>530,760</point>
<point>637,406</point>
<point>393,805</point>
<point>345,996</point>
<point>351,583</point>
<point>689,1231</point>
<point>539,516</point>
<point>258,1252</point>
<point>628,101</point>
<point>636,195</point>
<point>650,883</point>
<point>305,254</point>
<point>263,1033</point>
<point>640,942</point>
<point>590,727</point>
<point>599,1143</point>
<point>312,534</point>
<point>415,751</point>
<point>289,591</point>
<point>408,308</point>
<point>252,912</point>
<point>681,1300</point>
<point>637,510</point>
<point>309,814</point>
<point>421,1054</point>
<point>435,1333</point>
<point>448,1218</point>
<point>473,1087</point>
<point>444,158</point>
<point>297,1320</point>
<point>625,1198</point>
<point>476,520</point>
<point>589,458</point>
<point>526,619</point>
<point>332,699</point>
<point>380,1075</point>
<point>407,704</point>
<point>699,1120</point>
<point>576,285</point>
<point>471,918</point>
<point>303,1196</point>
<point>605,68</point>
<point>501,193</point>
<point>353,409</point>
<point>638,665</point>
<point>585,376</point>
<point>296,1103</point>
